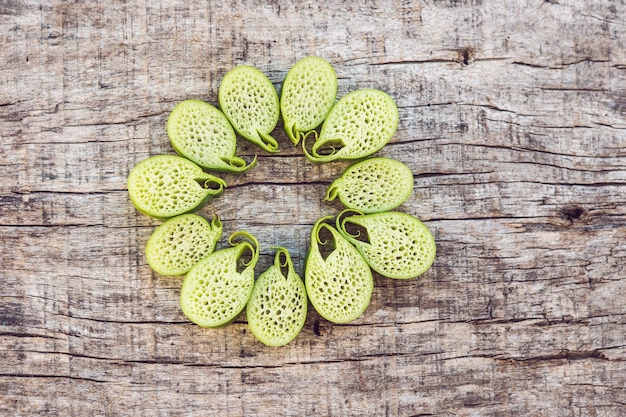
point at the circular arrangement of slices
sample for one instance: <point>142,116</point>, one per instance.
<point>368,236</point>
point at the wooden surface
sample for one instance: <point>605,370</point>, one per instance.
<point>512,118</point>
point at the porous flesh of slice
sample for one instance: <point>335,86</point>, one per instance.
<point>373,185</point>
<point>250,102</point>
<point>308,93</point>
<point>179,243</point>
<point>201,133</point>
<point>400,246</point>
<point>165,186</point>
<point>339,287</point>
<point>277,308</point>
<point>214,292</point>
<point>361,123</point>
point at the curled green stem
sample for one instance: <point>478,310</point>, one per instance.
<point>293,133</point>
<point>210,182</point>
<point>332,190</point>
<point>268,142</point>
<point>247,240</point>
<point>282,260</point>
<point>238,165</point>
<point>315,235</point>
<point>343,219</point>
<point>216,223</point>
<point>332,145</point>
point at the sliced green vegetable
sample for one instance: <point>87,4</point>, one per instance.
<point>201,133</point>
<point>394,244</point>
<point>250,102</point>
<point>218,287</point>
<point>165,186</point>
<point>276,310</point>
<point>373,185</point>
<point>338,281</point>
<point>179,243</point>
<point>361,123</point>
<point>309,92</point>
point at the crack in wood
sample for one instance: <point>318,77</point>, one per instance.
<point>52,376</point>
<point>568,355</point>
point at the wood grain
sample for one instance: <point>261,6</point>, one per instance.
<point>513,120</point>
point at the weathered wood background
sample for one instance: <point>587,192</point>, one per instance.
<point>512,117</point>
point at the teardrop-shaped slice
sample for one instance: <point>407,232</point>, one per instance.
<point>179,243</point>
<point>338,281</point>
<point>201,133</point>
<point>165,186</point>
<point>276,310</point>
<point>394,244</point>
<point>250,102</point>
<point>359,124</point>
<point>308,93</point>
<point>373,185</point>
<point>218,287</point>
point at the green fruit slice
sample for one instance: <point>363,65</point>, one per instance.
<point>218,287</point>
<point>276,310</point>
<point>361,123</point>
<point>338,281</point>
<point>165,186</point>
<point>309,92</point>
<point>250,102</point>
<point>394,244</point>
<point>179,243</point>
<point>201,133</point>
<point>373,185</point>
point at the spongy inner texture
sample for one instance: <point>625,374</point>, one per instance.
<point>250,101</point>
<point>375,185</point>
<point>165,186</point>
<point>340,287</point>
<point>180,243</point>
<point>365,120</point>
<point>213,292</point>
<point>400,246</point>
<point>202,133</point>
<point>277,308</point>
<point>308,93</point>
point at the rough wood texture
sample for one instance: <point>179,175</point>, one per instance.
<point>513,120</point>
